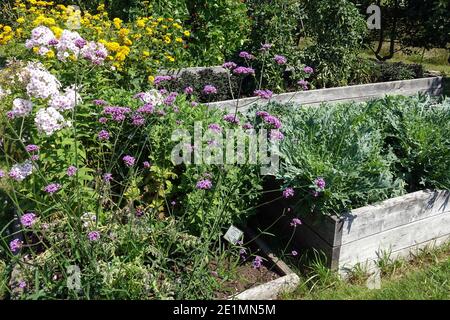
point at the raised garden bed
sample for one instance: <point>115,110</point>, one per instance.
<point>394,227</point>
<point>363,92</point>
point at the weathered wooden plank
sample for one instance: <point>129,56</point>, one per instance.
<point>395,239</point>
<point>363,92</point>
<point>392,213</point>
<point>406,253</point>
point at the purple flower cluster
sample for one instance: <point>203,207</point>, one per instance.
<point>159,79</point>
<point>103,135</point>
<point>107,177</point>
<point>204,184</point>
<point>264,94</point>
<point>308,70</point>
<point>103,120</point>
<point>52,188</point>
<point>118,114</point>
<point>32,148</point>
<point>320,183</point>
<point>266,47</point>
<point>231,118</point>
<point>146,164</point>
<point>279,59</point>
<point>246,55</point>
<point>100,102</point>
<point>170,99</point>
<point>93,51</point>
<point>303,84</point>
<point>146,108</point>
<point>243,71</point>
<point>15,245</point>
<point>247,126</point>
<point>257,262</point>
<point>269,119</point>
<point>288,193</point>
<point>276,135</point>
<point>188,90</point>
<point>138,120</point>
<point>209,89</point>
<point>214,127</point>
<point>28,219</point>
<point>71,171</point>
<point>94,236</point>
<point>129,160</point>
<point>295,222</point>
<point>229,65</point>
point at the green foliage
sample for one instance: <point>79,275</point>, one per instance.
<point>337,30</point>
<point>365,152</point>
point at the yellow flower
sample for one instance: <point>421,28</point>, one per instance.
<point>170,19</point>
<point>101,7</point>
<point>178,39</point>
<point>7,29</point>
<point>140,23</point>
<point>50,54</point>
<point>20,20</point>
<point>145,53</point>
<point>117,23</point>
<point>36,49</point>
<point>124,32</point>
<point>160,19</point>
<point>151,79</point>
<point>170,58</point>
<point>57,31</point>
<point>112,46</point>
<point>176,25</point>
<point>167,39</point>
<point>187,33</point>
<point>127,42</point>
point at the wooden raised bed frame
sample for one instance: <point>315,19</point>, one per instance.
<point>394,227</point>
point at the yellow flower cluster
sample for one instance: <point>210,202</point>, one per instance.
<point>145,43</point>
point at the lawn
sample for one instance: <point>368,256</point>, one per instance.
<point>425,277</point>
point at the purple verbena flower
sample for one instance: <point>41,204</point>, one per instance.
<point>308,70</point>
<point>272,121</point>
<point>138,120</point>
<point>31,148</point>
<point>231,118</point>
<point>214,127</point>
<point>188,90</point>
<point>303,84</point>
<point>28,219</point>
<point>279,59</point>
<point>15,245</point>
<point>243,71</point>
<point>103,120</point>
<point>71,171</point>
<point>229,65</point>
<point>263,94</point>
<point>103,135</point>
<point>146,108</point>
<point>247,126</point>
<point>209,89</point>
<point>129,160</point>
<point>266,47</point>
<point>159,79</point>
<point>100,102</point>
<point>194,103</point>
<point>246,55</point>
<point>52,188</point>
<point>288,193</point>
<point>94,236</point>
<point>204,184</point>
<point>22,284</point>
<point>295,222</point>
<point>320,183</point>
<point>276,135</point>
<point>257,263</point>
<point>146,164</point>
<point>107,177</point>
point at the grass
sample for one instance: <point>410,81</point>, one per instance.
<point>432,60</point>
<point>425,277</point>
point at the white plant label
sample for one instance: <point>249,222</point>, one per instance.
<point>233,235</point>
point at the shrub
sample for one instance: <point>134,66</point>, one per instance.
<point>400,71</point>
